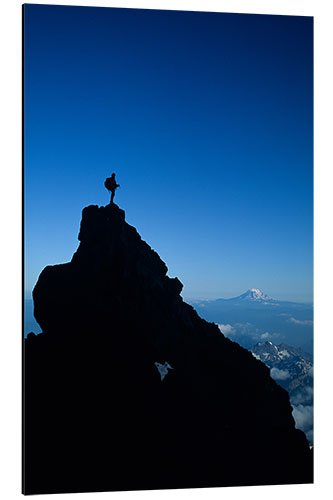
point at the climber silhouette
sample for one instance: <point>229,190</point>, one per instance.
<point>111,185</point>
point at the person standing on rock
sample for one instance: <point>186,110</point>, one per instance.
<point>111,185</point>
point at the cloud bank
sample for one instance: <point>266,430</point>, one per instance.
<point>303,416</point>
<point>306,322</point>
<point>277,374</point>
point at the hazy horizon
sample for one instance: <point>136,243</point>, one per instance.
<point>223,295</point>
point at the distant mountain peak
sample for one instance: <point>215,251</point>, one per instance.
<point>255,294</point>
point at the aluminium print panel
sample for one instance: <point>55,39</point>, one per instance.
<point>168,295</point>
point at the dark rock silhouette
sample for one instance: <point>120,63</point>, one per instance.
<point>98,415</point>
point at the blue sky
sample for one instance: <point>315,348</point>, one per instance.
<point>206,120</point>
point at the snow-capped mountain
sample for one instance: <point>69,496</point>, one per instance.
<point>254,294</point>
<point>294,363</point>
<point>292,369</point>
<point>255,317</point>
<point>280,351</point>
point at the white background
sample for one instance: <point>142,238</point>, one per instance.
<point>11,259</point>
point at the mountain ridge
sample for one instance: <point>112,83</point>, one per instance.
<point>253,295</point>
<point>98,411</point>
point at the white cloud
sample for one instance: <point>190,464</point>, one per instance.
<point>266,335</point>
<point>303,396</point>
<point>227,329</point>
<point>309,435</point>
<point>306,322</point>
<point>303,416</point>
<point>277,374</point>
<point>245,329</point>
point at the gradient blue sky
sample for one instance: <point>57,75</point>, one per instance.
<point>206,120</point>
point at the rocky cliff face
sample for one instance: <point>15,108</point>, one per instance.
<point>128,388</point>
